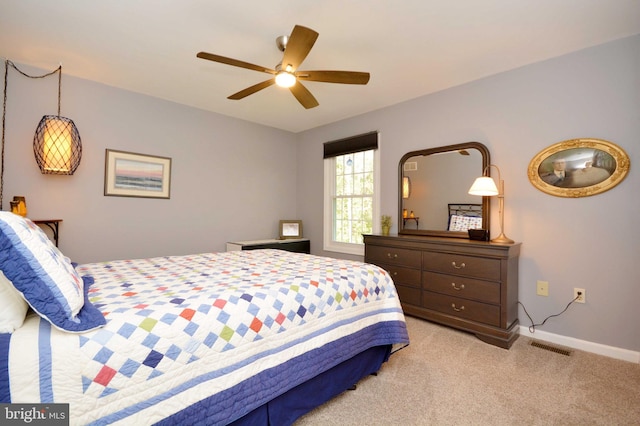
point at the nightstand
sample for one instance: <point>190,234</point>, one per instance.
<point>301,245</point>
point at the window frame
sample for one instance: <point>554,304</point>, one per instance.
<point>329,244</point>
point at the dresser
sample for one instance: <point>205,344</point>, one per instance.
<point>298,245</point>
<point>465,284</point>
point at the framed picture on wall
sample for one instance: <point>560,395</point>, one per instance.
<point>290,229</point>
<point>128,174</point>
<point>578,168</point>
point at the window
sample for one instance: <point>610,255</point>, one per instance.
<point>351,197</point>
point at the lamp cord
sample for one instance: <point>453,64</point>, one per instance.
<point>532,327</point>
<point>8,63</point>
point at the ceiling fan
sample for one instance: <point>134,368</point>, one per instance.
<point>296,47</point>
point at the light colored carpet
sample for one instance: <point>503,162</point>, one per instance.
<point>447,377</point>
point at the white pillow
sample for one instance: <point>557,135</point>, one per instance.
<point>13,308</point>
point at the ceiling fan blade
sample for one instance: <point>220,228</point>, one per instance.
<point>344,77</point>
<point>253,89</point>
<point>303,95</point>
<point>298,47</point>
<point>233,62</point>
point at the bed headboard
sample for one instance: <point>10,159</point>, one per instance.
<point>474,210</point>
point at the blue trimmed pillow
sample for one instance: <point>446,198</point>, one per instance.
<point>44,276</point>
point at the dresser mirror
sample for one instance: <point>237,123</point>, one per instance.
<point>433,191</point>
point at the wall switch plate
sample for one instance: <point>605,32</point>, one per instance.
<point>583,295</point>
<point>542,288</point>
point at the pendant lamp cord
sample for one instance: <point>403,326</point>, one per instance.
<point>4,114</point>
<point>8,63</point>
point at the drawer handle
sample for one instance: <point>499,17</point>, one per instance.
<point>389,255</point>
<point>455,287</point>
<point>453,305</point>
<point>455,265</point>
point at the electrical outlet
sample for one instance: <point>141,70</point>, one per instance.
<point>542,288</point>
<point>582,298</point>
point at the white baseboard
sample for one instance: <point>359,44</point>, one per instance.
<point>583,345</point>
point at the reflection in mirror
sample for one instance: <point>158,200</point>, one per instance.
<point>577,168</point>
<point>438,202</point>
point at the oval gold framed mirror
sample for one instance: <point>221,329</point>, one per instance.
<point>578,167</point>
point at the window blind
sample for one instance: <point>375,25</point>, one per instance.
<point>363,142</point>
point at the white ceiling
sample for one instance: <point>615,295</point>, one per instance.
<point>410,47</point>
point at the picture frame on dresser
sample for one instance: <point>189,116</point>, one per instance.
<point>290,229</point>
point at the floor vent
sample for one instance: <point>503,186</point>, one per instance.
<point>551,348</point>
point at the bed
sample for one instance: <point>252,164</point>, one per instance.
<point>244,337</point>
<point>463,217</point>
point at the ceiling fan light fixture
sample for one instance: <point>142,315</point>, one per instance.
<point>285,79</point>
<point>287,73</point>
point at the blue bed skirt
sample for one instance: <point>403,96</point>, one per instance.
<point>284,409</point>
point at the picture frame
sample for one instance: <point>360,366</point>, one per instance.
<point>130,174</point>
<point>290,229</point>
<point>578,167</point>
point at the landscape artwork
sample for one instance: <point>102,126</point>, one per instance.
<point>129,174</point>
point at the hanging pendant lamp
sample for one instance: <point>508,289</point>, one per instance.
<point>57,145</point>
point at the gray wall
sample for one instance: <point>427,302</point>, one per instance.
<point>591,242</point>
<point>231,180</point>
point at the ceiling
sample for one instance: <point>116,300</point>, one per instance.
<point>411,47</point>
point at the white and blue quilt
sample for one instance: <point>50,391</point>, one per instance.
<point>235,329</point>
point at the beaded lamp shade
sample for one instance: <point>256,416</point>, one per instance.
<point>57,145</point>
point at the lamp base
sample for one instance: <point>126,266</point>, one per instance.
<point>502,239</point>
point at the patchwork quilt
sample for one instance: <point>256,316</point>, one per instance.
<point>234,328</point>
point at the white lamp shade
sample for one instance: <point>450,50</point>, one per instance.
<point>484,186</point>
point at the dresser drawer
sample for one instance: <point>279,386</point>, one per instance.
<point>476,267</point>
<point>468,288</point>
<point>462,308</point>
<point>409,295</point>
<point>391,255</point>
<point>403,275</point>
